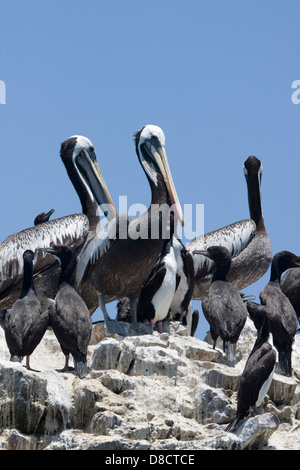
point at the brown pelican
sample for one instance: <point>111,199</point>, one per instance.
<point>167,292</point>
<point>117,265</point>
<point>79,158</point>
<point>259,368</point>
<point>70,318</point>
<point>281,314</point>
<point>246,240</point>
<point>224,308</point>
<point>25,324</point>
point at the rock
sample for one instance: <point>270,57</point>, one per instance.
<point>98,333</point>
<point>23,397</point>
<point>12,439</point>
<point>155,360</point>
<point>193,348</point>
<point>106,355</point>
<point>256,431</point>
<point>252,433</point>
<point>282,389</point>
<point>143,392</point>
<point>221,377</point>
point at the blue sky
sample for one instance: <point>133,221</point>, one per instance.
<point>216,76</point>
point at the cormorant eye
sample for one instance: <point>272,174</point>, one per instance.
<point>154,138</point>
<point>92,148</point>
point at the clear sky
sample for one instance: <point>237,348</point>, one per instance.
<point>216,76</point>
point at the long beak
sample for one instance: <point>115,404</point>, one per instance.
<point>162,162</point>
<point>50,250</point>
<point>201,252</point>
<point>48,214</point>
<point>93,177</point>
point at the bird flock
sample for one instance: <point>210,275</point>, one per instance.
<point>58,272</point>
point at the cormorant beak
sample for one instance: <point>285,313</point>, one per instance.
<point>161,159</point>
<point>50,250</point>
<point>48,214</point>
<point>201,252</point>
<point>92,176</point>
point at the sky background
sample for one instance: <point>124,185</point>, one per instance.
<point>216,76</point>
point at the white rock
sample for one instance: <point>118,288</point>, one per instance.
<point>150,391</point>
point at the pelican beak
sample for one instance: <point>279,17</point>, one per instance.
<point>93,178</point>
<point>162,162</point>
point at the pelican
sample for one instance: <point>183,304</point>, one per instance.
<point>79,158</point>
<point>169,286</point>
<point>246,240</point>
<point>117,265</point>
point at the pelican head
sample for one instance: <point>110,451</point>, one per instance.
<point>253,165</point>
<point>78,153</point>
<point>150,148</point>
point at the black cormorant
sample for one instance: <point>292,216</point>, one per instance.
<point>25,324</point>
<point>70,318</point>
<point>224,308</point>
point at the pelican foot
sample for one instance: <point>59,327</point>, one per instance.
<point>140,328</point>
<point>115,327</point>
<point>122,328</point>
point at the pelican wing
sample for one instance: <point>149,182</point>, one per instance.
<point>70,230</point>
<point>235,237</point>
<point>99,244</point>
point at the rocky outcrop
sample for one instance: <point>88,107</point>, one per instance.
<point>144,392</point>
